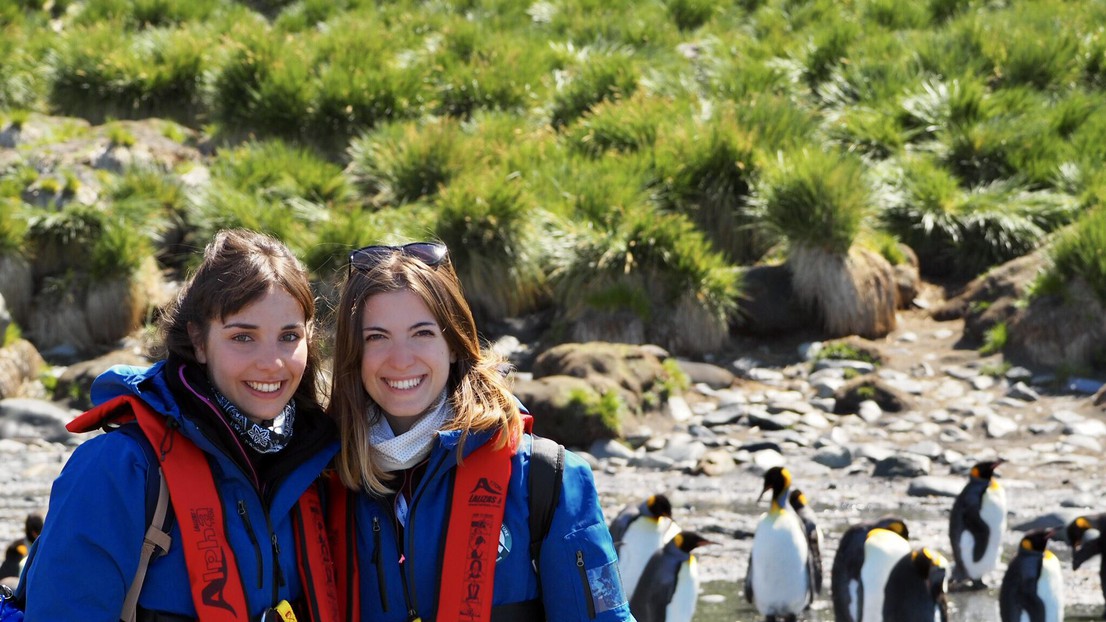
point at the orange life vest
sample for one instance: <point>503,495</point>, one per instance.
<point>216,585</point>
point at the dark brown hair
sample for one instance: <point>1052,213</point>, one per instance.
<point>239,267</point>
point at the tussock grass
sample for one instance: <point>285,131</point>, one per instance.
<point>402,163</point>
<point>1077,254</point>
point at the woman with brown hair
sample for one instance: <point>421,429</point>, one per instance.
<point>435,452</point>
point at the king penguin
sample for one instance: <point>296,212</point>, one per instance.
<point>883,549</point>
<point>976,526</point>
<point>1085,536</point>
<point>813,538</point>
<point>1032,588</point>
<point>845,572</point>
<point>669,585</point>
<point>639,531</point>
<point>778,580</point>
<point>917,589</point>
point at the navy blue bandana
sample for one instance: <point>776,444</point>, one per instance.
<point>263,440</point>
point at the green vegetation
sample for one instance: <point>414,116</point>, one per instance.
<point>611,162</point>
<point>994,339</point>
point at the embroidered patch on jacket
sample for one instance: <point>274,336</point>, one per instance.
<point>606,587</point>
<point>505,542</point>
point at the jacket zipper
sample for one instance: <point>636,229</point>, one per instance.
<point>378,561</point>
<point>253,540</point>
<point>587,587</point>
<point>408,534</point>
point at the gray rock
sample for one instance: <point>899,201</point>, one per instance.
<point>1091,428</point>
<point>934,486</point>
<point>724,415</point>
<point>1053,520</point>
<point>833,456</point>
<point>902,465</point>
<point>869,411</point>
<point>677,409</point>
<point>25,418</point>
<point>1018,374</point>
<point>610,448</point>
<point>998,426</point>
<point>860,367</point>
<point>766,421</point>
<point>713,376</point>
<point>962,373</point>
<point>652,461</point>
<point>1023,392</point>
<point>714,463</point>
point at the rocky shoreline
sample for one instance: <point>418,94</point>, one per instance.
<point>708,449</point>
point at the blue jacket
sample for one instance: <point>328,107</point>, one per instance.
<point>88,552</point>
<point>579,569</point>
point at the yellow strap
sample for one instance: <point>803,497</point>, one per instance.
<point>285,611</point>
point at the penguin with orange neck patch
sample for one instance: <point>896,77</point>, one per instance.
<point>845,574</point>
<point>639,531</point>
<point>778,581</point>
<point>976,525</point>
<point>1084,548</point>
<point>801,505</point>
<point>668,589</point>
<point>916,589</point>
<point>1032,588</point>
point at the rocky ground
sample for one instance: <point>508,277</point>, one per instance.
<point>857,467</point>
<point>708,453</point>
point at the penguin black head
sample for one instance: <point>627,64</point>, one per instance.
<point>797,500</point>
<point>687,541</point>
<point>659,505</point>
<point>986,470</point>
<point>1036,540</point>
<point>895,524</point>
<point>932,567</point>
<point>1076,529</point>
<point>777,479</point>
<point>32,526</point>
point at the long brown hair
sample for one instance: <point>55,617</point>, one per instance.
<point>238,268</point>
<point>476,386</point>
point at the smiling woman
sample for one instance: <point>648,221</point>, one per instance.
<point>240,438</point>
<point>430,437</point>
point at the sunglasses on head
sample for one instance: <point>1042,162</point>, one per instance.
<point>429,253</point>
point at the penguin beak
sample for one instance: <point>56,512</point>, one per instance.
<point>761,495</point>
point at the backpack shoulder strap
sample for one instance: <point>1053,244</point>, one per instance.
<point>159,521</point>
<point>547,467</point>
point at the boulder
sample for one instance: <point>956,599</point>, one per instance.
<point>75,383</point>
<point>564,409</point>
<point>637,373</point>
<point>20,365</point>
<point>870,388</point>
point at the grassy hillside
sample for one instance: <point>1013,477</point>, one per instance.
<point>619,162</point>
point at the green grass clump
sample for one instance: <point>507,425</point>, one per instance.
<point>596,79</point>
<point>815,199</point>
<point>958,232</point>
<point>101,73</point>
<point>83,240</point>
<point>658,266</point>
<point>402,163</point>
<point>707,172</point>
<point>280,170</point>
<point>496,242</point>
<point>994,339</point>
<point>1077,254</point>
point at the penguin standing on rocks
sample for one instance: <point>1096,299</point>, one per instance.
<point>813,538</point>
<point>1084,547</point>
<point>917,588</point>
<point>883,549</point>
<point>778,580</point>
<point>845,572</point>
<point>1032,588</point>
<point>669,585</point>
<point>976,526</point>
<point>639,531</point>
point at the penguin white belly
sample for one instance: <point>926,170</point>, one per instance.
<point>1050,588</point>
<point>780,580</point>
<point>993,513</point>
<point>682,606</point>
<point>642,538</point>
<point>854,599</point>
<point>882,550</point>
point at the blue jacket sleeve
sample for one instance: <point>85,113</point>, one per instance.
<point>579,568</point>
<point>88,552</point>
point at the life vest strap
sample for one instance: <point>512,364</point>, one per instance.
<point>472,537</point>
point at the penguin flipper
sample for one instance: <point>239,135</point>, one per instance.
<point>749,580</point>
<point>814,563</point>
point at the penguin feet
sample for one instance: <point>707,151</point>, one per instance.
<point>967,585</point>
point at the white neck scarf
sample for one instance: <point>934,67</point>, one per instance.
<point>396,453</point>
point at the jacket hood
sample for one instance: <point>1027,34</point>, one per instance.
<point>144,382</point>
